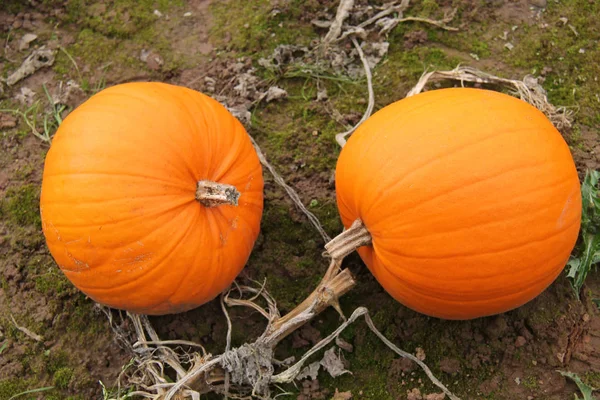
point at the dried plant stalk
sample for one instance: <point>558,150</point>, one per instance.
<point>527,89</point>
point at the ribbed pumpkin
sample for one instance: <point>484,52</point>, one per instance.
<point>471,198</point>
<point>139,197</point>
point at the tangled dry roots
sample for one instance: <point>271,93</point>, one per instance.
<point>244,372</point>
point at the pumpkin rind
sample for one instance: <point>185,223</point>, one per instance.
<point>118,203</point>
<point>471,197</point>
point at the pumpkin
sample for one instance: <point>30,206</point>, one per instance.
<point>471,198</point>
<point>152,197</point>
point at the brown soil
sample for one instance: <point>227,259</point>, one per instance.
<point>510,356</point>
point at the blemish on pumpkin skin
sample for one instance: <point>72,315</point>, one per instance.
<point>232,226</point>
<point>80,264</point>
<point>249,184</point>
<point>55,231</point>
<point>561,219</point>
<point>140,258</point>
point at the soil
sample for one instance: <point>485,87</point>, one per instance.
<point>205,45</point>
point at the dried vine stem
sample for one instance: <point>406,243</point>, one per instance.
<point>290,192</point>
<point>527,89</point>
<point>26,331</point>
<point>249,369</point>
<point>334,284</point>
<point>343,12</point>
<point>336,34</point>
<point>341,137</point>
<point>351,239</point>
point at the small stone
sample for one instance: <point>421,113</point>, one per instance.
<point>154,62</point>
<point>414,394</point>
<point>341,395</point>
<point>586,317</point>
<point>435,396</point>
<point>17,24</point>
<point>158,13</point>
<point>520,342</point>
<point>7,121</point>
<point>25,40</point>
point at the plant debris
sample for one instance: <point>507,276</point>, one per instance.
<point>589,248</point>
<point>39,58</point>
<point>527,89</point>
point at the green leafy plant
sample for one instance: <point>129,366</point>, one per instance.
<point>588,252</point>
<point>586,390</point>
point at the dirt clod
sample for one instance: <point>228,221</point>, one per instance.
<point>450,365</point>
<point>7,121</point>
<point>520,342</point>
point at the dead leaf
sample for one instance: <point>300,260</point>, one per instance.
<point>333,363</point>
<point>39,58</point>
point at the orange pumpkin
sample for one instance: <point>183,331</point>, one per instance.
<point>139,198</point>
<point>471,198</point>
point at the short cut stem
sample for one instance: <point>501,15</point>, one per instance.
<point>349,240</point>
<point>213,194</point>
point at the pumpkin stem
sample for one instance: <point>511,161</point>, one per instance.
<point>212,194</point>
<point>334,285</point>
<point>349,240</point>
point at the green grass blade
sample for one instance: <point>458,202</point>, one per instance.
<point>43,389</point>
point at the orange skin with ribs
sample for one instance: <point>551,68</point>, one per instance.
<point>471,197</point>
<point>118,203</point>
